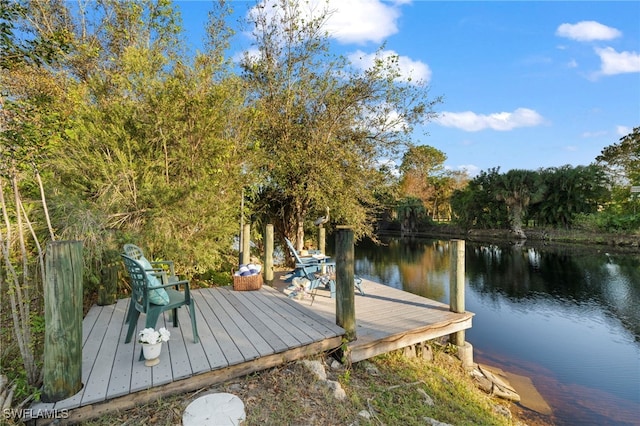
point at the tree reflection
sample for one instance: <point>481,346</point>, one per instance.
<point>568,275</point>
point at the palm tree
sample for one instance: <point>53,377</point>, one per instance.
<point>519,189</point>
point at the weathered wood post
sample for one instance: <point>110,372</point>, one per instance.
<point>63,320</point>
<point>321,239</point>
<point>246,244</point>
<point>456,296</point>
<point>108,288</point>
<point>345,295</point>
<point>268,254</point>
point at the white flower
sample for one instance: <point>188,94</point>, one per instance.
<point>151,336</point>
<point>164,334</point>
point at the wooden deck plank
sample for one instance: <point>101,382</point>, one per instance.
<point>98,381</point>
<point>226,316</point>
<point>368,346</point>
<point>89,354</point>
<point>170,354</point>
<point>389,319</point>
<point>306,320</point>
<point>277,333</point>
<point>248,322</point>
<point>196,355</point>
<point>140,374</point>
<point>176,352</point>
<point>89,321</point>
<point>212,346</point>
<point>217,343</point>
<point>231,352</point>
<point>285,318</point>
<point>120,381</point>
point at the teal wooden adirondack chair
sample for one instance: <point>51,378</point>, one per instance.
<point>327,279</point>
<point>302,262</point>
<point>142,285</point>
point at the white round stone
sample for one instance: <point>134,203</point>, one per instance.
<point>216,409</point>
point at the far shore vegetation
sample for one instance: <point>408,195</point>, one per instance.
<point>111,132</point>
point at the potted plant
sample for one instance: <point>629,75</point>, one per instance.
<point>151,341</point>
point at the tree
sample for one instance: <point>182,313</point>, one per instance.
<point>323,126</point>
<point>477,204</point>
<point>155,148</point>
<point>623,158</point>
<point>623,161</point>
<point>570,191</point>
<point>519,189</point>
<point>424,177</point>
<point>422,171</point>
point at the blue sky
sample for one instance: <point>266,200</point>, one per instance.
<point>525,84</point>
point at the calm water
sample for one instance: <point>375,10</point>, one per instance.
<point>568,318</point>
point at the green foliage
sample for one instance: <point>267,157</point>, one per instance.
<point>570,191</point>
<point>322,125</point>
<point>477,205</point>
<point>553,196</point>
<point>608,221</point>
<point>623,159</point>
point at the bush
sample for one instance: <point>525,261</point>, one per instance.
<point>608,222</point>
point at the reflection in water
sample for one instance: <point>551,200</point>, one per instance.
<point>567,318</point>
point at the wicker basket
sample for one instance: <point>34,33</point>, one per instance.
<point>246,283</point>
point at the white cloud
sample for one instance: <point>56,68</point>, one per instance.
<point>587,31</point>
<point>501,121</point>
<point>623,130</point>
<point>410,70</point>
<point>594,134</point>
<point>348,21</point>
<point>361,21</point>
<point>612,62</point>
<point>471,169</point>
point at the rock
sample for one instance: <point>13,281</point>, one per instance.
<point>434,422</point>
<point>502,410</point>
<point>338,391</point>
<point>427,399</point>
<point>336,365</point>
<point>365,414</point>
<point>409,352</point>
<point>426,351</point>
<point>235,387</point>
<point>316,368</point>
<point>370,368</point>
<point>494,385</point>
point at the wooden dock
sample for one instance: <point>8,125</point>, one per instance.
<point>240,333</point>
<point>388,319</point>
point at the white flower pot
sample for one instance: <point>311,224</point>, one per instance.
<point>151,353</point>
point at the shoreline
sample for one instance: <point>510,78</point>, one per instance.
<point>615,242</point>
<point>532,406</point>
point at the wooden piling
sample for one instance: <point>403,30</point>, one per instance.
<point>322,239</point>
<point>246,244</point>
<point>108,288</point>
<point>268,255</point>
<point>62,370</point>
<point>456,304</point>
<point>456,285</point>
<point>345,296</point>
